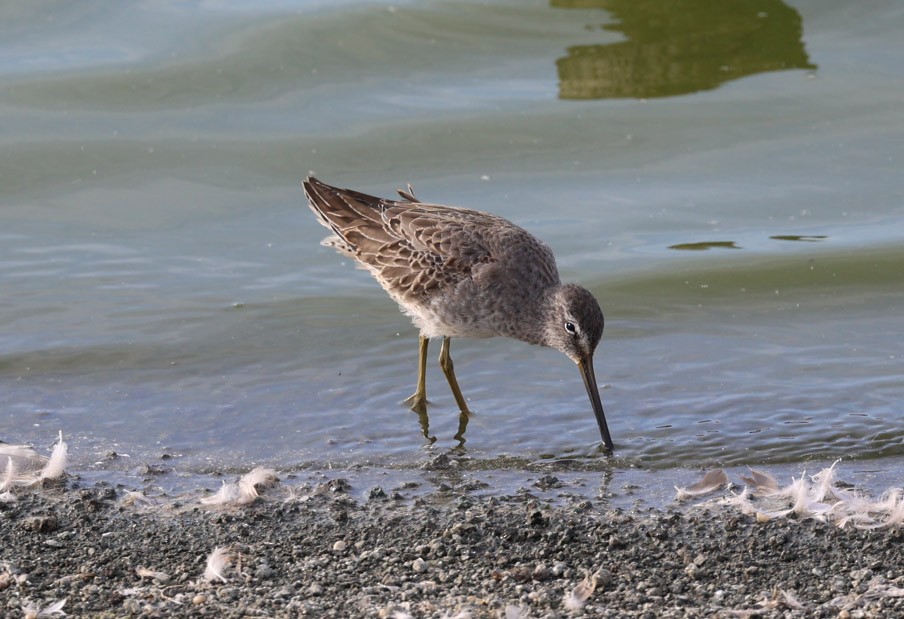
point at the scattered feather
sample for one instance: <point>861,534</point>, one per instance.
<point>23,466</point>
<point>32,611</point>
<point>825,484</point>
<point>244,490</point>
<point>741,501</point>
<point>713,480</point>
<point>578,596</point>
<point>217,563</point>
<point>789,600</point>
<point>797,493</point>
<point>895,514</point>
<point>818,496</point>
<point>25,458</point>
<point>55,467</point>
<point>9,475</point>
<point>516,612</point>
<point>227,494</point>
<point>763,483</point>
<point>258,476</point>
<point>884,591</point>
<point>13,476</point>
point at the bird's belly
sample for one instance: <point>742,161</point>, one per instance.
<point>444,323</point>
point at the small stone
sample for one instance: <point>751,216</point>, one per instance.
<point>419,565</point>
<point>199,599</point>
<point>339,546</point>
<point>40,524</point>
<point>541,572</point>
<point>547,482</point>
<point>603,578</point>
<point>439,463</point>
<point>338,485</point>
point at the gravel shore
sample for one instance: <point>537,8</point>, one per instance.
<point>332,549</point>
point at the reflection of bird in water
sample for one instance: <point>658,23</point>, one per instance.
<point>463,273</point>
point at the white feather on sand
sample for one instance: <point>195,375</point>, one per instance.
<point>516,612</point>
<point>25,467</point>
<point>712,481</point>
<point>818,496</point>
<point>24,457</point>
<point>244,490</point>
<point>824,487</point>
<point>577,597</point>
<point>9,475</point>
<point>56,465</point>
<point>33,611</point>
<point>217,563</point>
<point>763,483</point>
<point>741,501</point>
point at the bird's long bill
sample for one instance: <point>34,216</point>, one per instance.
<point>586,367</point>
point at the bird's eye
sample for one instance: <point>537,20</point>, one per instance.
<point>569,326</point>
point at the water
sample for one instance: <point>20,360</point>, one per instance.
<point>727,183</point>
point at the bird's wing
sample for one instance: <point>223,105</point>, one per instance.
<point>412,248</point>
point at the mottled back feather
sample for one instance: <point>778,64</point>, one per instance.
<point>415,249</point>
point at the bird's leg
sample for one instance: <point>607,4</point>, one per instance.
<point>418,400</point>
<point>425,425</point>
<point>445,362</point>
<point>463,419</point>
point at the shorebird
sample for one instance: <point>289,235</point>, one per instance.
<point>463,273</point>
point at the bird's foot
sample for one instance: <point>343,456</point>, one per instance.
<point>417,402</point>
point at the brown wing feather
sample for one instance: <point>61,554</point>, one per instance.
<point>412,248</point>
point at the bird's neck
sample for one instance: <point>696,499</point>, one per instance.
<point>534,322</point>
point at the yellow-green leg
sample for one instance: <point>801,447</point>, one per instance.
<point>445,362</point>
<point>418,400</point>
<point>463,419</point>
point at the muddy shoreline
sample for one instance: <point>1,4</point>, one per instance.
<point>336,549</point>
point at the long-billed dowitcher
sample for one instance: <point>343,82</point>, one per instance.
<point>463,273</point>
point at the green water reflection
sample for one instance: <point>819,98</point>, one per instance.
<point>676,48</point>
<point>811,238</point>
<point>704,245</point>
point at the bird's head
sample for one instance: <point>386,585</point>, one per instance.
<point>574,325</point>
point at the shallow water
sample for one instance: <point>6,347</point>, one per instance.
<point>727,184</point>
